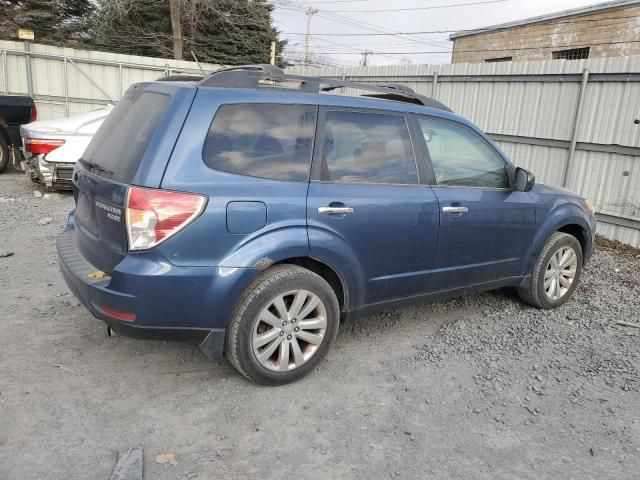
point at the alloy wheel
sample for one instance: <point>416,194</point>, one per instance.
<point>289,330</point>
<point>560,273</point>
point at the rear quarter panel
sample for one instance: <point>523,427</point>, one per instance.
<point>208,241</point>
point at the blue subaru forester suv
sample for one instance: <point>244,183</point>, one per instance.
<point>251,211</point>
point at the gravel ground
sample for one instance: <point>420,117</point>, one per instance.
<point>477,387</point>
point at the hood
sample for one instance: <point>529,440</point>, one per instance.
<point>85,123</point>
<point>552,189</point>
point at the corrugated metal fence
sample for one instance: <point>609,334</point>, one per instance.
<point>570,122</point>
<point>65,81</point>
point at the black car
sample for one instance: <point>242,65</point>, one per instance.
<point>14,111</point>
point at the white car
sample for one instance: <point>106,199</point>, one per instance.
<point>52,147</point>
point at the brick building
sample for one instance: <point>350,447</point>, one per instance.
<point>609,29</point>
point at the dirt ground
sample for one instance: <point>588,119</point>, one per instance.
<point>477,387</point>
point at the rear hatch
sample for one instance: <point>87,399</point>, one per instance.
<point>131,147</point>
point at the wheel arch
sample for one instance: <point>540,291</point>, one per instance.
<point>328,273</point>
<point>5,147</point>
<point>4,133</point>
<point>576,230</point>
<point>567,219</point>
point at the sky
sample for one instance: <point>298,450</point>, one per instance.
<point>333,27</point>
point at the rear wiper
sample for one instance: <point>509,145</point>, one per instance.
<point>95,166</point>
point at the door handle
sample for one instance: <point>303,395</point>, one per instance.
<point>335,210</point>
<point>455,209</point>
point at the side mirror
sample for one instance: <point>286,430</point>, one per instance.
<point>525,180</point>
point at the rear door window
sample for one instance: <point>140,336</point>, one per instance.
<point>122,140</point>
<point>367,147</point>
<point>272,141</point>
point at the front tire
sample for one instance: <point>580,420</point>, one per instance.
<point>283,325</point>
<point>556,273</point>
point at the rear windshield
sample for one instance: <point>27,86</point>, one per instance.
<point>117,148</point>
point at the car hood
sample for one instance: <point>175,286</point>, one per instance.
<point>543,188</point>
<point>84,124</point>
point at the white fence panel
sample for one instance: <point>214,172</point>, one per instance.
<point>66,81</point>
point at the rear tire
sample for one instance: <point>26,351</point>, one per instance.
<point>283,325</point>
<point>4,153</point>
<point>555,274</point>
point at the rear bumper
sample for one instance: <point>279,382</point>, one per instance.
<point>55,175</point>
<point>211,342</point>
<point>163,298</point>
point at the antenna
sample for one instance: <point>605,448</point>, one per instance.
<point>196,59</point>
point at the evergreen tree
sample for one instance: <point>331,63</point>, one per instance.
<point>229,32</point>
<point>133,27</point>
<point>57,22</point>
<point>235,32</point>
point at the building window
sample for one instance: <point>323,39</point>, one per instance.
<point>572,54</point>
<point>498,59</point>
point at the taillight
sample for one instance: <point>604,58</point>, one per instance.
<point>154,215</point>
<point>36,145</point>
<point>126,316</point>
<point>34,114</point>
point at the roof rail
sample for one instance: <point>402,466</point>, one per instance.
<point>243,76</point>
<point>254,76</point>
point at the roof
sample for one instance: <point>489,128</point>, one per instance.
<point>597,8</point>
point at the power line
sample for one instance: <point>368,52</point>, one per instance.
<point>371,34</point>
<point>359,50</point>
<point>424,32</point>
<point>381,53</point>
<point>356,51</point>
<point>370,27</point>
<point>555,47</point>
<point>434,7</point>
<point>359,46</point>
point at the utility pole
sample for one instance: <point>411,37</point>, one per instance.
<point>307,38</point>
<point>272,57</point>
<point>365,56</point>
<point>176,28</point>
